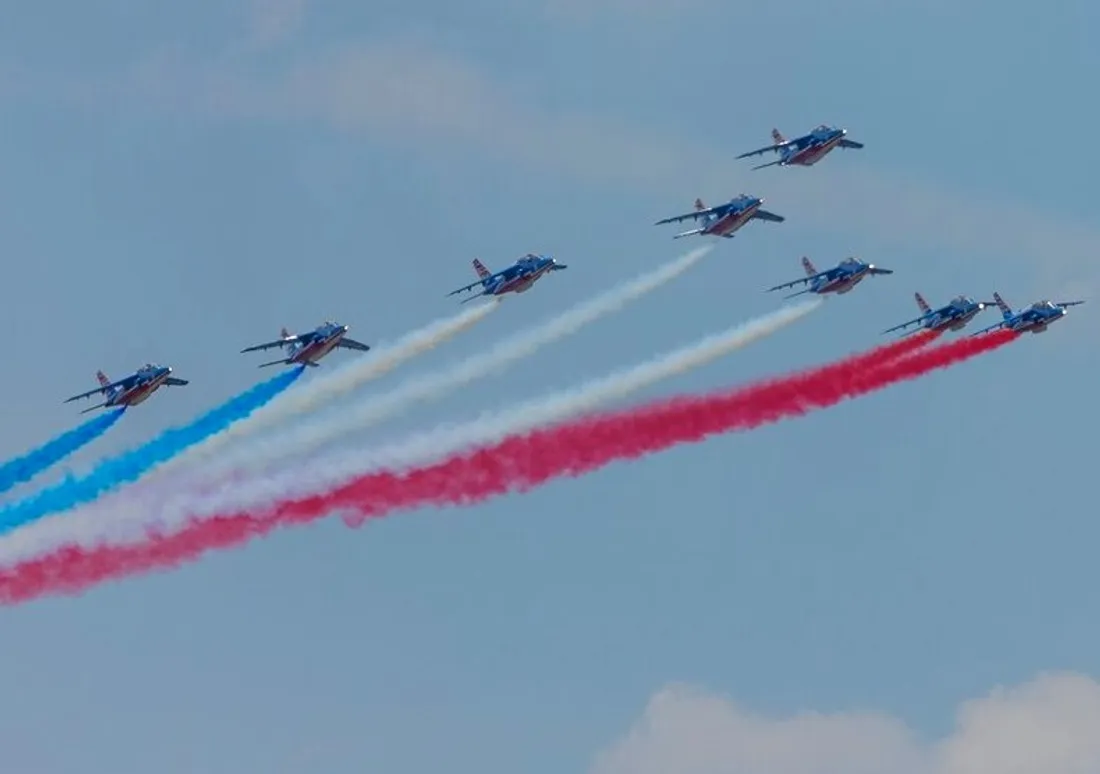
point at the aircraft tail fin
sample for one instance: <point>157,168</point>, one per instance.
<point>922,304</point>
<point>482,272</point>
<point>777,137</point>
<point>808,267</point>
<point>103,380</point>
<point>1006,310</point>
<point>699,206</point>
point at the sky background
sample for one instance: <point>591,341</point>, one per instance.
<point>904,583</point>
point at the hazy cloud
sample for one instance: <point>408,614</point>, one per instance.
<point>1048,726</point>
<point>412,93</point>
<point>406,92</point>
<point>270,22</point>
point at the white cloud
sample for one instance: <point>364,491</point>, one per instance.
<point>1048,726</point>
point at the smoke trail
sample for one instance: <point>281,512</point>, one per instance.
<point>302,439</point>
<point>129,516</point>
<point>23,469</point>
<point>517,463</point>
<point>130,466</point>
<point>343,380</point>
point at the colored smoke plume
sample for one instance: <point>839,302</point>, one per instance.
<point>129,466</point>
<point>23,468</point>
<point>517,463</point>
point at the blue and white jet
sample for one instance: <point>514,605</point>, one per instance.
<point>724,219</point>
<point>517,278</point>
<point>954,316</point>
<point>309,347</point>
<point>840,279</point>
<point>133,389</point>
<point>804,151</point>
<point>1033,319</point>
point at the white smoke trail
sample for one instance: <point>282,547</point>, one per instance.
<point>306,437</point>
<point>135,510</point>
<point>339,382</point>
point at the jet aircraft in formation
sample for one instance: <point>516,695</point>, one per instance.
<point>308,348</point>
<point>954,315</point>
<point>133,389</point>
<point>1033,319</point>
<point>804,151</point>
<point>840,279</point>
<point>722,220</point>
<point>517,278</point>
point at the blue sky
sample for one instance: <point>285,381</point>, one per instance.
<point>180,180</point>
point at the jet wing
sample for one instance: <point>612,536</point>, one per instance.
<point>907,324</point>
<point>850,144</point>
<point>760,151</point>
<point>1068,303</point>
<point>877,270</point>
<point>993,327</point>
<point>769,216</point>
<point>799,281</point>
<point>722,208</point>
<point>769,164</point>
<point>270,344</point>
<point>472,285</point>
<point>176,382</point>
<point>274,362</point>
<point>123,383</point>
<point>347,343</point>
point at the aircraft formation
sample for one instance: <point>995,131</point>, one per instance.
<point>722,220</point>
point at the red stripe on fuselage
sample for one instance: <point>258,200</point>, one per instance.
<point>139,394</point>
<point>522,283</point>
<point>316,350</point>
<point>727,224</point>
<point>807,157</point>
<point>844,285</point>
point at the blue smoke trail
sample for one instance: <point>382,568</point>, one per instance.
<point>23,469</point>
<point>132,465</point>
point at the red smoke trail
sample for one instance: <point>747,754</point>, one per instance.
<point>516,463</point>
